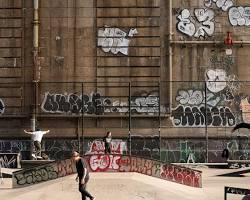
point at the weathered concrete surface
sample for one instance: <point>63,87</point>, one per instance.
<point>124,186</point>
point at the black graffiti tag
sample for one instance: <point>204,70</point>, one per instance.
<point>35,176</point>
<point>195,116</point>
<point>72,103</point>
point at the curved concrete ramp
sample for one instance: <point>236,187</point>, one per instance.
<point>107,186</point>
<point>109,163</point>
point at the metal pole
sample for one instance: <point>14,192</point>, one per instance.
<point>225,193</point>
<point>129,123</point>
<point>36,75</point>
<point>1,175</point>
<point>159,116</point>
<point>206,130</point>
<point>208,42</point>
<point>78,134</point>
<point>170,54</point>
<point>82,122</point>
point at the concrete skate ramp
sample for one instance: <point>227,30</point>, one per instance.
<point>106,186</point>
<point>237,172</point>
<point>109,163</point>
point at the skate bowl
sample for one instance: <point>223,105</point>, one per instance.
<point>109,163</point>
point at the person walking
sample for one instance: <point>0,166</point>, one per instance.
<point>82,175</point>
<point>36,138</point>
<point>107,143</point>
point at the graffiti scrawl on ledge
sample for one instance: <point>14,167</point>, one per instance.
<point>109,163</point>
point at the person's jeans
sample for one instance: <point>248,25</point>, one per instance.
<point>38,148</point>
<point>107,149</point>
<point>82,189</point>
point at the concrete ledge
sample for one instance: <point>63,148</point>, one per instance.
<point>211,165</point>
<point>239,161</point>
<point>34,163</point>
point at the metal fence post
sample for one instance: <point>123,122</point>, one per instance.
<point>82,121</point>
<point>1,175</point>
<point>159,117</point>
<point>206,130</point>
<point>225,193</point>
<point>129,123</point>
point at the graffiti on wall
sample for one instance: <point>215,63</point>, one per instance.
<point>103,163</point>
<point>171,150</point>
<point>222,4</point>
<point>197,98</point>
<point>97,104</point>
<point>43,173</point>
<point>142,102</point>
<point>205,19</point>
<point>9,160</point>
<point>220,61</point>
<point>109,163</point>
<point>201,107</point>
<point>174,151</point>
<point>14,146</point>
<point>245,107</point>
<point>2,107</point>
<point>97,147</point>
<point>115,40</point>
<point>59,149</point>
<point>119,163</point>
<point>145,146</point>
<point>65,103</point>
<point>239,16</point>
<point>216,80</point>
<point>195,116</point>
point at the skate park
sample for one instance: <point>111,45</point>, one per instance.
<point>168,79</point>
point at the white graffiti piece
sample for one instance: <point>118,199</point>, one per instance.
<point>216,80</point>
<point>197,98</point>
<point>2,107</point>
<point>148,104</point>
<point>245,107</point>
<point>239,16</point>
<point>205,17</point>
<point>185,25</point>
<point>97,147</point>
<point>222,4</point>
<point>104,162</point>
<point>118,106</point>
<point>95,103</point>
<point>7,162</point>
<point>132,32</point>
<point>114,40</point>
<point>190,97</point>
<point>186,116</point>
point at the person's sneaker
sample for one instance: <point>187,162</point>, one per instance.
<point>39,157</point>
<point>93,198</point>
<point>33,155</point>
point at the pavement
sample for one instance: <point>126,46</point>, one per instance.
<point>131,186</point>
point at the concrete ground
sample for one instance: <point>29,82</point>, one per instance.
<point>130,186</point>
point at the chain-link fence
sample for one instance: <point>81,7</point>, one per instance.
<point>171,121</point>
